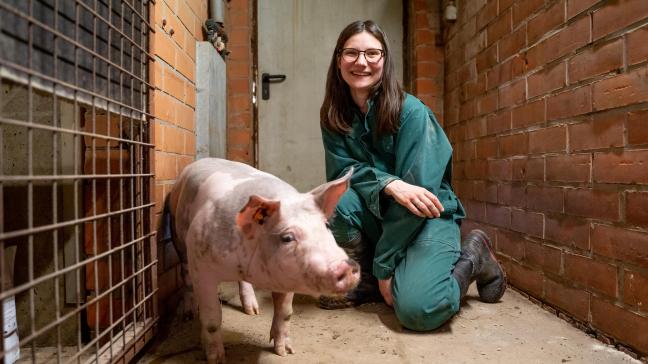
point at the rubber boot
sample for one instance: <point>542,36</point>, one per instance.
<point>478,263</point>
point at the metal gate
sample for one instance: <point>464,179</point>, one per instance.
<point>77,248</point>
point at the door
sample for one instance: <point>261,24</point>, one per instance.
<point>296,39</point>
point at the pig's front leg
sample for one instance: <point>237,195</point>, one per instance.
<point>209,308</point>
<point>279,332</point>
<point>248,299</point>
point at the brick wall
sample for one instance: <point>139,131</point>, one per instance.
<point>240,110</point>
<point>546,104</point>
<point>424,66</point>
<point>178,25</point>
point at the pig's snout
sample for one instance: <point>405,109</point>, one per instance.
<point>347,275</point>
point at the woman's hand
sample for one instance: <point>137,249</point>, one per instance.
<point>418,200</point>
<point>386,290</point>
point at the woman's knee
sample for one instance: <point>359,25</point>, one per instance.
<point>425,314</point>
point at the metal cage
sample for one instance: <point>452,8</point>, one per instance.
<point>77,241</point>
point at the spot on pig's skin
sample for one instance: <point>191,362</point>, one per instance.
<point>287,318</point>
<point>212,328</point>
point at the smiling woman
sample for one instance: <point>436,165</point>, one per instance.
<point>400,217</point>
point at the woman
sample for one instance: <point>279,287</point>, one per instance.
<point>400,218</point>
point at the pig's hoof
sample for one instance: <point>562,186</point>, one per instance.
<point>283,347</point>
<point>251,309</point>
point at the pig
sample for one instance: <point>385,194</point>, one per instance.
<point>232,222</point>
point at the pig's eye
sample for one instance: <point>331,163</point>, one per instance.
<point>287,237</point>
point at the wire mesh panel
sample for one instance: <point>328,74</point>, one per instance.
<point>77,247</point>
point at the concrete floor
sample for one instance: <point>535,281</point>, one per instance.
<point>513,331</point>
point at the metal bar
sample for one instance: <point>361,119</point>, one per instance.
<point>68,85</point>
<point>95,300</point>
<point>150,56</point>
<point>26,124</point>
<point>78,354</point>
<point>30,186</point>
<point>25,178</point>
<point>44,228</point>
<point>13,291</point>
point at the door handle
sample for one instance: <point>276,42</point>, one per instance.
<point>266,79</point>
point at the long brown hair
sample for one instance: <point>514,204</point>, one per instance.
<point>336,113</point>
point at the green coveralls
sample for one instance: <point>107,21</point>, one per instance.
<point>420,253</point>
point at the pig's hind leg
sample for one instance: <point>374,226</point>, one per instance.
<point>248,299</point>
<point>280,323</point>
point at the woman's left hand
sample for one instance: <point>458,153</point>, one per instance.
<point>418,200</point>
<point>386,290</point>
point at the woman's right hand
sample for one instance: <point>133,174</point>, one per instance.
<point>418,200</point>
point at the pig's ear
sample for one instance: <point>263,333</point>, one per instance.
<point>256,212</point>
<point>328,194</point>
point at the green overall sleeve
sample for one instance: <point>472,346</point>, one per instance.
<point>367,181</point>
<point>423,155</point>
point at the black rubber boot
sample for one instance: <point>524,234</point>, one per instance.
<point>367,290</point>
<point>478,263</point>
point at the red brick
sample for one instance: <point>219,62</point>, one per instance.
<point>526,279</point>
<point>565,41</point>
<point>636,211</point>
<point>467,72</point>
<point>239,54</point>
<point>530,223</point>
<point>424,36</point>
<point>429,69</point>
<point>464,151</point>
<point>546,21</point>
<point>593,203</point>
<point>475,210</point>
<point>500,27</point>
<point>575,7</point>
<point>476,169</point>
<point>510,244</point>
<point>499,170</point>
<point>567,230</point>
<point>467,110</point>
<point>174,84</point>
<point>241,120</point>
<point>635,289</point>
<point>547,80</point>
<point>545,199</point>
<point>531,169</point>
<point>546,257</point>
<point>529,114</point>
<point>476,128</point>
<point>636,45</point>
<point>473,88</point>
<point>512,94</point>
<point>485,191</point>
<point>164,106</point>
<point>512,44</point>
<point>625,89</point>
<point>569,103</point>
<point>505,71</point>
<point>569,168</point>
<point>486,14</point>
<point>522,10</point>
<point>596,60</point>
<point>604,131</point>
<point>164,47</point>
<point>552,139</point>
<point>186,117</point>
<point>240,137</point>
<point>617,15</point>
<point>516,144</point>
<point>186,66</point>
<point>238,70</point>
<point>637,130</point>
<point>499,123</point>
<point>505,4</point>
<point>623,167</point>
<point>619,243</point>
<point>239,103</point>
<point>164,166</point>
<point>574,301</point>
<point>463,189</point>
<point>511,195</point>
<point>597,275</point>
<point>486,59</point>
<point>627,327</point>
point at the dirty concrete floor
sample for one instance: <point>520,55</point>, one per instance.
<point>512,331</point>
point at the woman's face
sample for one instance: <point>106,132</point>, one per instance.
<point>359,74</point>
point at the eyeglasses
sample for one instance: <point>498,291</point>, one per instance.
<point>371,55</point>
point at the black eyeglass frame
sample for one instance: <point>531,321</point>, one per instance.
<point>382,54</point>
